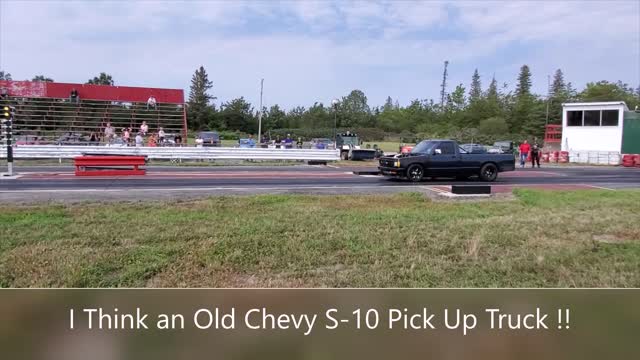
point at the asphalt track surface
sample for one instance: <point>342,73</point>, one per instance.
<point>37,184</point>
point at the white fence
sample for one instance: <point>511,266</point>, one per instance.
<point>171,153</point>
<point>595,157</point>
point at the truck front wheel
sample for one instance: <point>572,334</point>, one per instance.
<point>488,172</point>
<point>415,173</point>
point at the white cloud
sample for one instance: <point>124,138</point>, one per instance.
<point>368,45</point>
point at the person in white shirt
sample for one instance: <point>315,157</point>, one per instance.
<point>160,136</point>
<point>139,140</point>
<point>199,141</point>
<point>151,102</point>
<point>144,128</point>
<point>109,133</point>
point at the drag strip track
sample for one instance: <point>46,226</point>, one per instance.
<point>52,183</point>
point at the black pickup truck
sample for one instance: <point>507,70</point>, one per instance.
<point>444,158</point>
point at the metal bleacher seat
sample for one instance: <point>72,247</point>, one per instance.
<point>50,118</point>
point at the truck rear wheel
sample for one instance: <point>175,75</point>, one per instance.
<point>415,173</point>
<point>488,172</point>
<point>344,155</point>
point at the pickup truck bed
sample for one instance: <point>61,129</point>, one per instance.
<point>444,158</point>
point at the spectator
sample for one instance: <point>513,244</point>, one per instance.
<point>74,97</point>
<point>178,140</point>
<point>139,140</point>
<point>161,135</point>
<point>288,142</point>
<point>151,102</point>
<point>535,155</point>
<point>144,128</point>
<point>199,141</point>
<point>93,139</point>
<point>153,141</point>
<point>251,141</point>
<point>4,93</point>
<point>299,143</point>
<point>524,152</point>
<point>126,135</point>
<point>109,133</point>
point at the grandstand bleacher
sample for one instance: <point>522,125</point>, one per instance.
<point>43,119</point>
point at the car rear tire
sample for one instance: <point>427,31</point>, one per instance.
<point>415,173</point>
<point>488,172</point>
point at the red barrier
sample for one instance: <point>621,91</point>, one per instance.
<point>545,157</point>
<point>91,92</point>
<point>629,160</point>
<point>564,157</point>
<point>99,165</point>
<point>406,149</point>
<point>554,156</point>
<point>636,160</point>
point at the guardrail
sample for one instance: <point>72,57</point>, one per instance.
<point>595,157</point>
<point>172,153</point>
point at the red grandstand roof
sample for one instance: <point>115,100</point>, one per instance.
<point>92,92</point>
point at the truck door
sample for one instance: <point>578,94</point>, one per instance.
<point>445,160</point>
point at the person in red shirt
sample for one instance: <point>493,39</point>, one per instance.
<point>524,152</point>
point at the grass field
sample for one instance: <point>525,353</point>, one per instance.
<point>386,146</point>
<point>540,239</point>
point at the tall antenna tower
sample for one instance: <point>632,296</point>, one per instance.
<point>443,92</point>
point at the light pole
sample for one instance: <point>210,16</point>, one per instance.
<point>335,103</point>
<point>260,114</point>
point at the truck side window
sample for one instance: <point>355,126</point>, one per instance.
<point>447,148</point>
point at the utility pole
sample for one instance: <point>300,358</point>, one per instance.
<point>443,92</point>
<point>260,114</point>
<point>335,103</point>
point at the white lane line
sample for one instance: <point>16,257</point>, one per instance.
<point>600,187</point>
<point>435,189</point>
<point>332,166</point>
<point>207,189</point>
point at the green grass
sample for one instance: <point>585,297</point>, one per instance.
<point>540,239</point>
<point>386,146</point>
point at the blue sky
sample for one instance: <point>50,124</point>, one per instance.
<point>314,51</point>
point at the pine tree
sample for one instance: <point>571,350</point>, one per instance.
<point>558,87</point>
<point>522,117</point>
<point>524,82</point>
<point>200,113</point>
<point>492,92</point>
<point>557,95</point>
<point>475,93</point>
<point>388,105</point>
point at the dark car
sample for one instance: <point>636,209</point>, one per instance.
<point>444,158</point>
<point>210,138</point>
<point>502,147</point>
<point>73,139</point>
<point>27,140</point>
<point>474,148</point>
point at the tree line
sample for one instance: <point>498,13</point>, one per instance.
<point>490,113</point>
<point>497,111</point>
